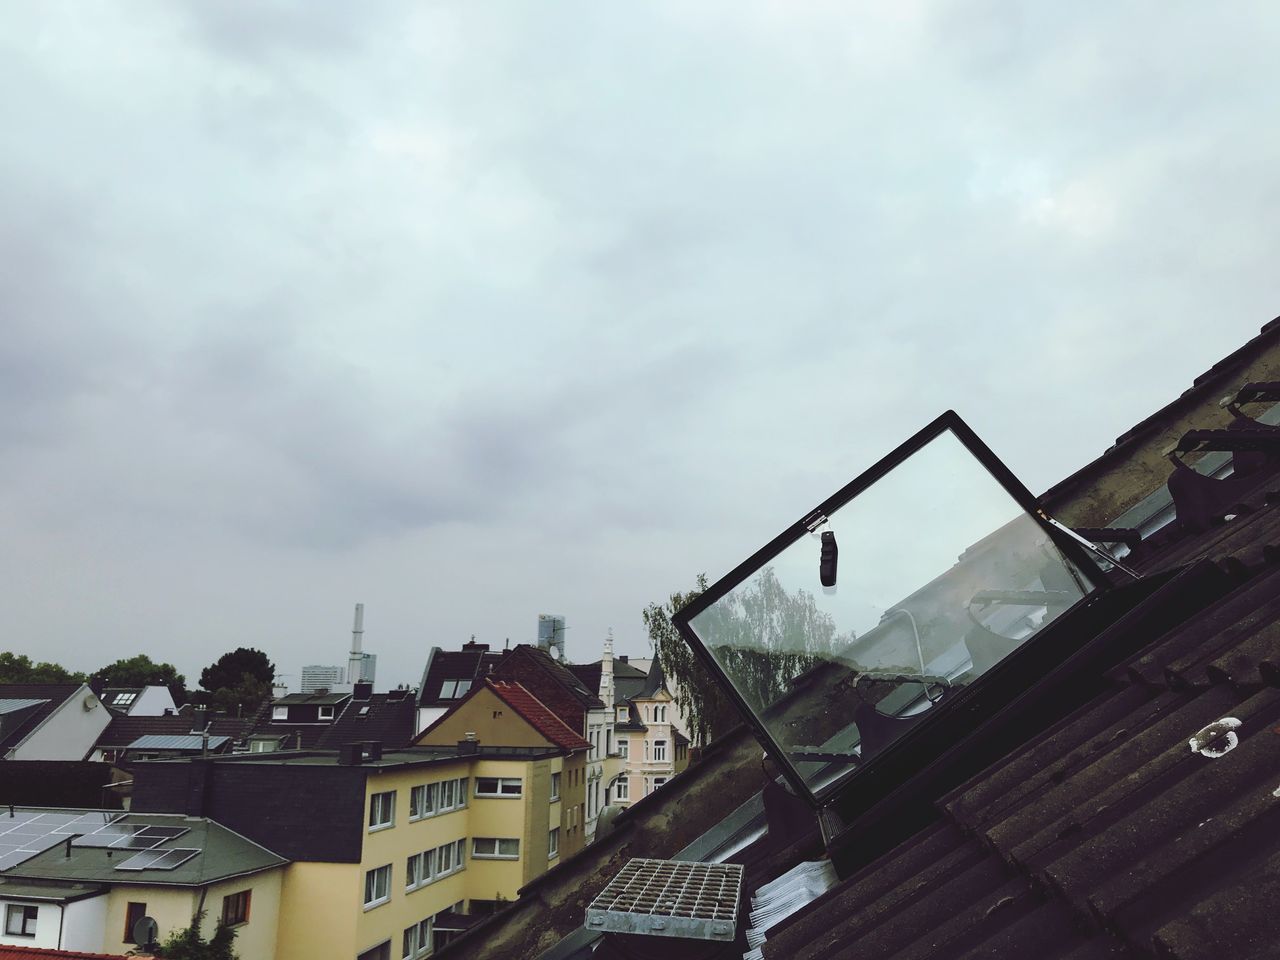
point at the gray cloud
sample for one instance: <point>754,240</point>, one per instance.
<point>470,311</point>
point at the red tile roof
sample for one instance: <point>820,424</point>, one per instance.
<point>45,953</point>
<point>536,714</point>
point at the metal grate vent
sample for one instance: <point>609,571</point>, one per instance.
<point>670,898</point>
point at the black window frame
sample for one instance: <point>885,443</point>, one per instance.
<point>948,422</point>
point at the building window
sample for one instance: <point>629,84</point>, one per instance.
<point>659,750</point>
<point>381,952</point>
<point>555,787</point>
<point>658,781</point>
<point>495,848</point>
<point>622,788</point>
<point>425,945</point>
<point>326,713</point>
<point>444,859</point>
<point>553,844</point>
<point>377,886</point>
<point>623,715</point>
<point>409,950</point>
<point>132,914</point>
<point>123,699</point>
<point>413,871</point>
<point>498,787</point>
<point>20,920</point>
<point>624,747</point>
<point>420,804</point>
<point>279,713</point>
<point>453,689</point>
<point>235,908</point>
<point>382,810</point>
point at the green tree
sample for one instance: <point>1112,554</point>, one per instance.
<point>187,944</point>
<point>142,671</point>
<point>699,699</point>
<point>229,669</point>
<point>18,668</point>
<point>242,699</point>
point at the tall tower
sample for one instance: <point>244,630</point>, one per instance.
<point>356,665</point>
<point>551,630</point>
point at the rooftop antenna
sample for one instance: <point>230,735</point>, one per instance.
<point>357,638</point>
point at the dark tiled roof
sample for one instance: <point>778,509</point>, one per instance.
<point>549,681</point>
<point>588,674</point>
<point>17,729</point>
<point>390,721</point>
<point>445,665</point>
<point>655,681</point>
<point>537,715</point>
<point>124,730</point>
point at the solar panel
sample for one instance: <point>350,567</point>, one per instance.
<point>88,822</point>
<point>137,841</point>
<point>106,836</point>
<point>164,833</point>
<point>158,859</point>
<point>141,861</point>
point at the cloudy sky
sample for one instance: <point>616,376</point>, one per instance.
<point>471,311</point>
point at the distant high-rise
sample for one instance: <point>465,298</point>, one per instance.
<point>322,677</point>
<point>551,634</point>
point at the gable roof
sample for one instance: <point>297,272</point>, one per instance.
<point>46,699</point>
<point>534,712</point>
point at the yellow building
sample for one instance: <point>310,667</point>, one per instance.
<point>501,711</point>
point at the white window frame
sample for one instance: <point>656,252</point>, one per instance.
<point>479,852</point>
<point>279,713</point>
<point>623,715</point>
<point>325,712</point>
<point>553,843</point>
<point>624,748</point>
<point>371,883</point>
<point>555,788</point>
<point>659,751</point>
<point>659,781</point>
<point>377,803</point>
<point>426,930</point>
<point>18,911</point>
<point>504,788</point>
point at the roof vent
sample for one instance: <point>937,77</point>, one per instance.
<point>373,749</point>
<point>670,898</point>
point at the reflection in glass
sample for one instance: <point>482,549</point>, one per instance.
<point>941,575</point>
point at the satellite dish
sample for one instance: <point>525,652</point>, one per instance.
<point>89,702</point>
<point>145,931</point>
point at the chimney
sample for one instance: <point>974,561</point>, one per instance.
<point>606,673</point>
<point>472,646</point>
<point>199,719</point>
<point>351,754</point>
<point>469,746</point>
<point>373,749</point>
<point>622,658</point>
<point>362,691</point>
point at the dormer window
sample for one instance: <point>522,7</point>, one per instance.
<point>279,713</point>
<point>326,713</point>
<point>453,689</point>
<point>623,715</point>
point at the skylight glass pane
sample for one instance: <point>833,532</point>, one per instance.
<point>940,575</point>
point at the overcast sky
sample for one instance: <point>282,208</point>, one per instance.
<point>470,311</point>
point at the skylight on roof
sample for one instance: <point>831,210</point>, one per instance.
<point>879,608</point>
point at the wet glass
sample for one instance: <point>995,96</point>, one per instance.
<point>941,574</point>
